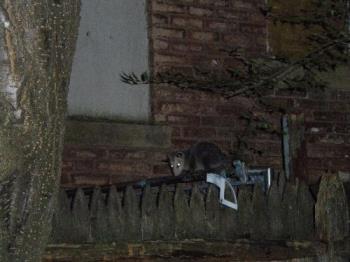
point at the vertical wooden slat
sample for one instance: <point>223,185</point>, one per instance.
<point>116,216</point>
<point>290,210</point>
<point>275,212</point>
<point>81,218</point>
<point>62,223</point>
<point>166,214</point>
<point>260,223</point>
<point>132,214</point>
<point>212,213</point>
<point>332,210</point>
<point>94,203</point>
<point>101,232</point>
<point>228,218</point>
<point>182,212</point>
<point>197,213</point>
<point>305,205</point>
<point>245,215</point>
<point>149,216</point>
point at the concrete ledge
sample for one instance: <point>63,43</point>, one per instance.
<point>117,134</point>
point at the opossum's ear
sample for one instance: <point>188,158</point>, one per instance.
<point>179,154</point>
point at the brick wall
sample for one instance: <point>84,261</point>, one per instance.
<point>105,165</point>
<point>185,34</point>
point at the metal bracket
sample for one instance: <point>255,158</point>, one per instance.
<point>221,183</point>
<point>243,176</point>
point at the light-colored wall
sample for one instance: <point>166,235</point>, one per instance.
<point>112,39</point>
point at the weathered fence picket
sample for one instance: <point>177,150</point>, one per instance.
<point>212,207</point>
<point>275,213</point>
<point>116,218</point>
<point>182,212</point>
<point>197,214</point>
<point>149,215</point>
<point>289,205</point>
<point>166,214</point>
<point>332,210</point>
<point>245,213</point>
<point>132,228</point>
<point>305,224</point>
<point>80,233</point>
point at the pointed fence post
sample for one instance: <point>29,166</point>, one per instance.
<point>212,213</point>
<point>115,215</point>
<point>305,223</point>
<point>260,226</point>
<point>332,210</point>
<point>197,213</point>
<point>100,230</point>
<point>62,223</point>
<point>228,219</point>
<point>290,209</point>
<point>81,218</point>
<point>132,214</point>
<point>275,212</point>
<point>244,212</point>
<point>182,212</point>
<point>149,216</point>
<point>166,214</point>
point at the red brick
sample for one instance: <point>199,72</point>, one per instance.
<point>169,8</point>
<point>204,36</point>
<point>183,120</point>
<point>160,19</point>
<point>341,95</point>
<point>66,179</point>
<point>86,165</point>
<point>207,133</point>
<point>186,22</point>
<point>328,138</point>
<point>331,116</point>
<point>124,167</point>
<point>328,151</point>
<point>340,106</point>
<point>167,33</point>
<point>183,143</point>
<point>162,170</point>
<point>160,59</point>
<point>310,104</point>
<point>231,121</point>
<point>89,180</point>
<point>67,166</point>
<point>186,47</point>
<point>218,26</point>
<point>176,132</point>
<point>160,44</point>
<point>269,148</point>
<point>200,11</point>
<point>185,109</point>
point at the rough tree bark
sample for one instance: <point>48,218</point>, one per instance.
<point>37,42</point>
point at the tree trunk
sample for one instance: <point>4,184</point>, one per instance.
<point>37,42</point>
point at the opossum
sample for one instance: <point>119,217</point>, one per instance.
<point>203,157</point>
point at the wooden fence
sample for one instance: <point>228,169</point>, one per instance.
<point>287,212</point>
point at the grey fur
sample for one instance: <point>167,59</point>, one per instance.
<point>203,156</point>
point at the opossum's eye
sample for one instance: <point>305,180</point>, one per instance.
<point>171,165</point>
<point>178,164</point>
